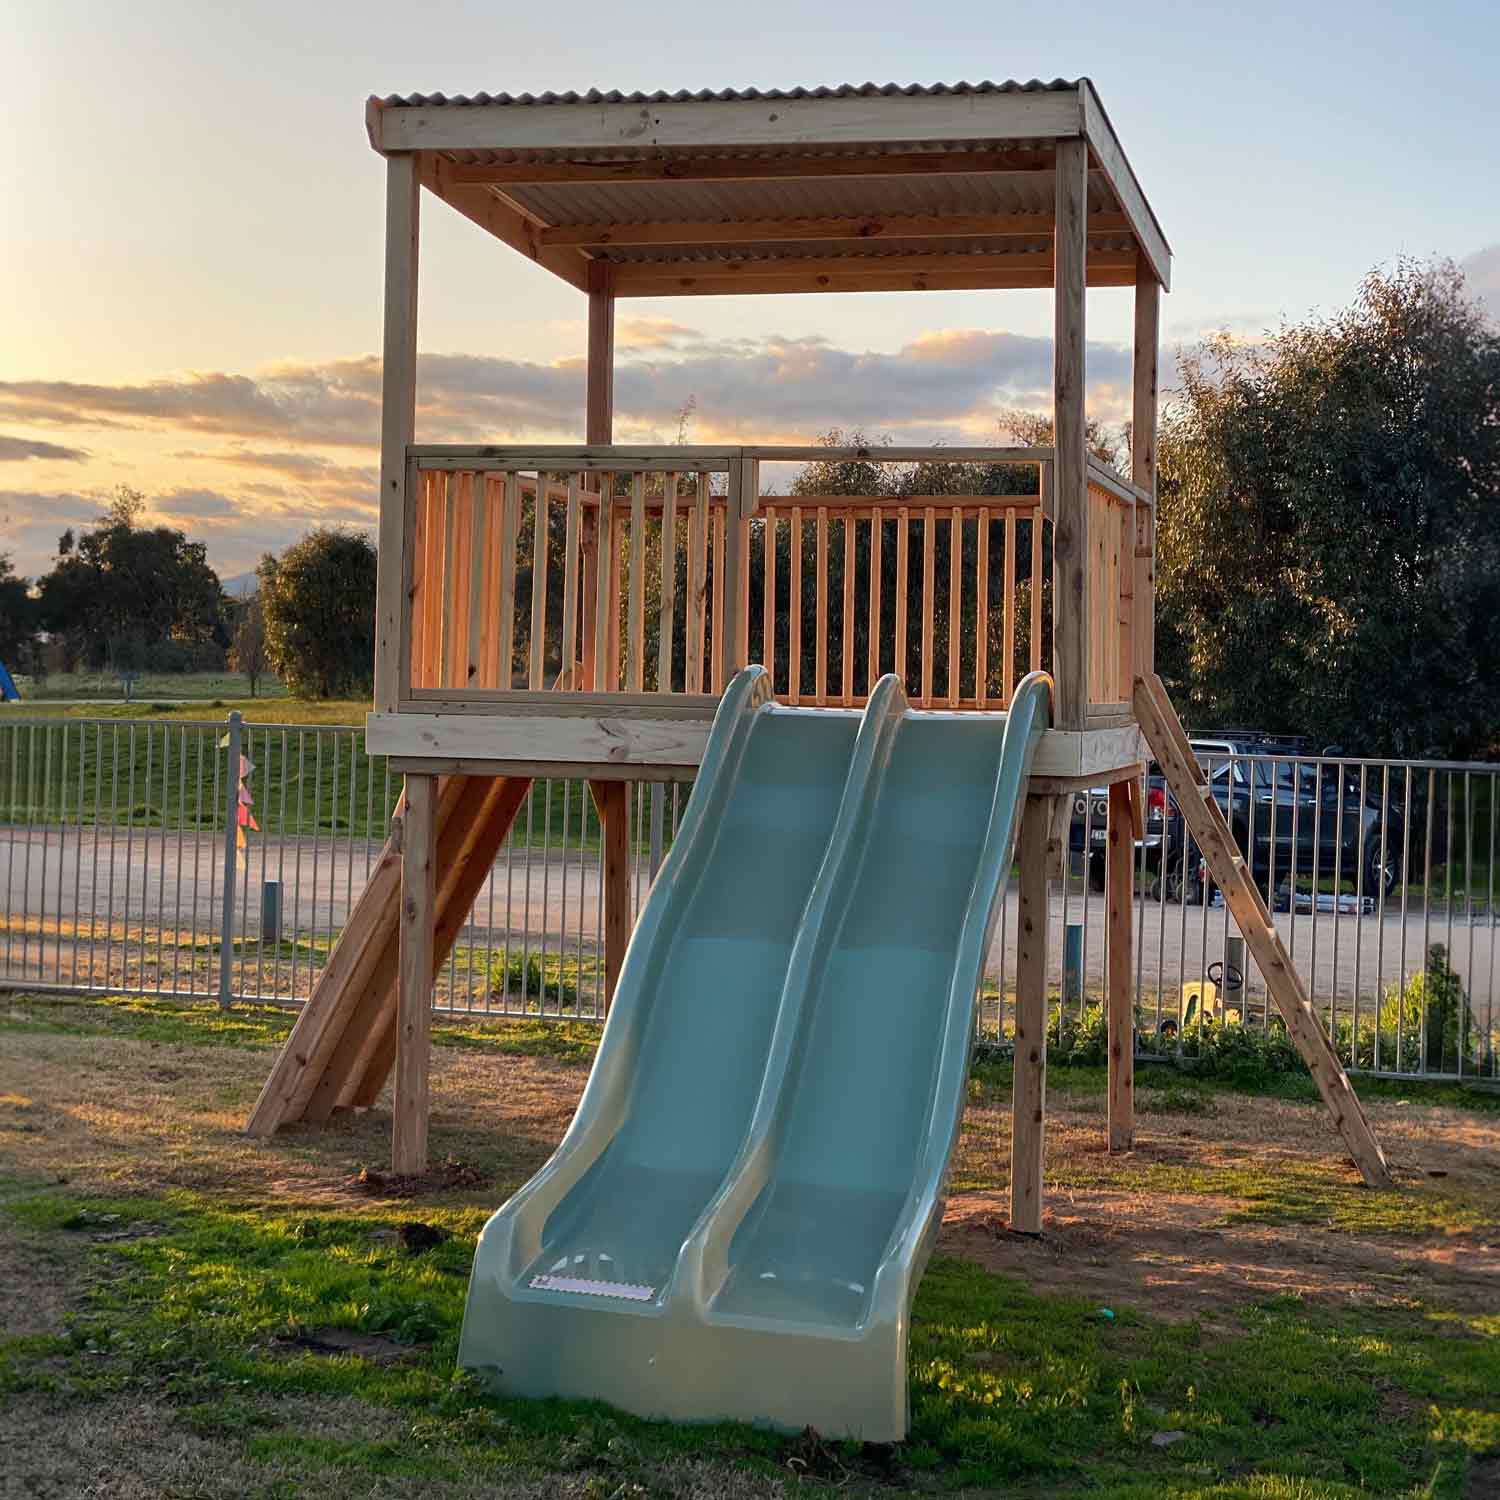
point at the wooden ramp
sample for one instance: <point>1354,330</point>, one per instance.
<point>343,1047</point>
<point>1205,820</point>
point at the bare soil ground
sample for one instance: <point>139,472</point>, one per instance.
<point>1161,1227</point>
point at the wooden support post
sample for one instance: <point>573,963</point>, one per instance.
<point>1070,537</point>
<point>1143,465</point>
<point>612,799</point>
<point>1120,882</point>
<point>599,427</point>
<point>414,981</point>
<point>1029,1094</point>
<point>398,416</point>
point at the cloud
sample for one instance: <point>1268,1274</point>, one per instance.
<point>195,505</point>
<point>16,450</point>
<point>1482,276</point>
<point>308,401</point>
<point>296,440</point>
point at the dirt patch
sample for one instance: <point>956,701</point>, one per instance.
<point>449,1176</point>
<point>1484,1478</point>
<point>59,1450</point>
<point>41,1283</point>
<point>98,1114</point>
<point>106,1119</point>
<point>1174,1256</point>
<point>370,1346</point>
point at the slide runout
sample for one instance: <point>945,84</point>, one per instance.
<point>827,1218</point>
<point>683,1050</point>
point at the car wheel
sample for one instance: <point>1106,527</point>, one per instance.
<point>1096,873</point>
<point>1381,880</point>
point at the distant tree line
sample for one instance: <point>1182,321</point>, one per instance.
<point>126,598</point>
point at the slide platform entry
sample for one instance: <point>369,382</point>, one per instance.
<point>736,1220</point>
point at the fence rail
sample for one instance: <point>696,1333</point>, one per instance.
<point>1381,876</point>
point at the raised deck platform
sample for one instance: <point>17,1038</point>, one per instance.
<point>663,740</point>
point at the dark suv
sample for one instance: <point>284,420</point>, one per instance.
<point>1320,817</point>
<point>1274,804</point>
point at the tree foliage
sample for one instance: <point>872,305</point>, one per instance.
<point>318,598</point>
<point>18,615</point>
<point>122,582</point>
<point>248,652</point>
<point>1329,534</point>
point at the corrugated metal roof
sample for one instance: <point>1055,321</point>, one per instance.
<point>880,197</point>
<point>729,96</point>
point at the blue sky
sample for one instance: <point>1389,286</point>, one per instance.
<point>191,264</point>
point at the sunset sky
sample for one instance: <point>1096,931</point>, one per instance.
<point>191,257</point>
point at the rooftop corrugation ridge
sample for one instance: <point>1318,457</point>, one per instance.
<point>728,96</point>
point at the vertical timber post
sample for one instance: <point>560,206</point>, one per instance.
<point>612,799</point>
<point>1143,463</point>
<point>414,976</point>
<point>398,415</point>
<point>234,741</point>
<point>599,427</point>
<point>1119,883</point>
<point>1071,604</point>
<point>1029,1095</point>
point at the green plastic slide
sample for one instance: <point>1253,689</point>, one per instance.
<point>736,1221</point>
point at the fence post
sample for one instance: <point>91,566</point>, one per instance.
<point>231,859</point>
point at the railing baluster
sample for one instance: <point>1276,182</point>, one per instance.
<point>794,612</point>
<point>768,595</point>
<point>668,591</point>
<point>820,619</point>
<point>604,626</point>
<point>877,526</point>
<point>903,549</point>
<point>570,586</point>
<point>1008,620</point>
<point>697,585</point>
<point>636,645</point>
<point>491,502</point>
<point>720,624</point>
<point>455,576</point>
<point>846,649</point>
<point>509,524</point>
<point>929,601</point>
<point>982,607</point>
<point>539,584</point>
<point>479,618</point>
<point>955,601</point>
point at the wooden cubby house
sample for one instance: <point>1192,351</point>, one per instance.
<point>577,609</point>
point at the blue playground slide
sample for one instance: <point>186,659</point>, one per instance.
<point>736,1221</point>
<point>8,693</point>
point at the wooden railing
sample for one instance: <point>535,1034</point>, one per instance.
<point>1113,548</point>
<point>661,571</point>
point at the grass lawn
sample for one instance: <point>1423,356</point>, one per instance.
<point>63,685</point>
<point>146,765</point>
<point>1224,1312</point>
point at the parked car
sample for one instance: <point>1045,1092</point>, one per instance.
<point>1274,804</point>
<point>1089,828</point>
<point>1315,816</point>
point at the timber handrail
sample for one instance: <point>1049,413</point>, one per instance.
<point>665,569</point>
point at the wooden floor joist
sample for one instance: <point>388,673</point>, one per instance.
<point>343,1046</point>
<point>1205,821</point>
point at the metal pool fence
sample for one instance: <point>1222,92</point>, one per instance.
<point>124,872</point>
